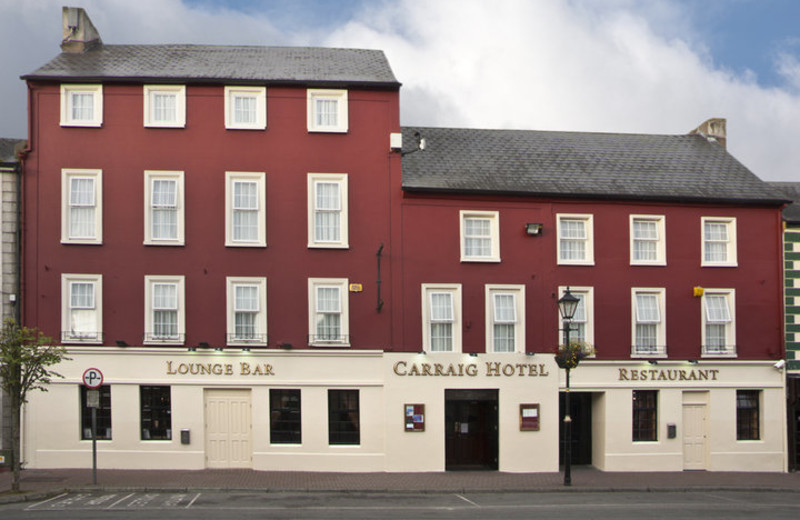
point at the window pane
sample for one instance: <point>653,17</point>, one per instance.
<point>647,308</point>
<point>504,338</point>
<point>164,107</point>
<point>505,309</point>
<point>156,412</point>
<point>165,296</point>
<point>82,106</point>
<point>747,415</point>
<point>82,208</point>
<point>343,417</point>
<point>441,307</point>
<point>244,109</point>
<point>645,416</point>
<point>245,325</point>
<point>716,241</point>
<point>285,418</point>
<point>327,112</point>
<point>717,308</point>
<point>246,298</point>
<point>165,209</point>
<point>477,237</point>
<point>82,295</point>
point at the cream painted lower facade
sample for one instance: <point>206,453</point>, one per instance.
<point>466,410</point>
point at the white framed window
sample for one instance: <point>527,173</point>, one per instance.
<point>327,110</point>
<point>582,324</point>
<point>246,108</point>
<point>165,310</point>
<point>81,105</point>
<point>648,240</point>
<point>505,318</point>
<point>441,317</point>
<point>480,236</point>
<point>327,210</point>
<point>328,313</point>
<point>648,326</point>
<point>247,310</point>
<point>245,209</point>
<point>719,242</point>
<point>81,206</point>
<point>163,208</point>
<point>719,322</point>
<point>575,239</point>
<point>82,308</point>
<point>165,106</point>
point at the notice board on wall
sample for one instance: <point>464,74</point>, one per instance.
<point>414,417</point>
<point>529,417</point>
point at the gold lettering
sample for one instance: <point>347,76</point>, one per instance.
<point>229,370</point>
<point>438,369</point>
<point>451,370</point>
<point>217,369</point>
<point>703,374</point>
<point>397,368</point>
<point>492,369</point>
<point>508,370</point>
<point>623,374</point>
<point>268,370</point>
<point>257,371</point>
<point>662,376</point>
<point>426,369</point>
<point>543,371</point>
<point>414,370</point>
<point>532,371</point>
<point>170,372</point>
<point>183,369</point>
<point>244,368</point>
<point>634,374</point>
<point>714,374</point>
<point>472,370</point>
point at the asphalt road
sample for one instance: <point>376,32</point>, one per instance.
<point>319,506</point>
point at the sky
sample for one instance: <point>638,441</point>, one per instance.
<point>621,66</point>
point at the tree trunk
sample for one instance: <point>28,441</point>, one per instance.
<point>15,443</point>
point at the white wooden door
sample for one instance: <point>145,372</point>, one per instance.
<point>694,436</point>
<point>228,429</point>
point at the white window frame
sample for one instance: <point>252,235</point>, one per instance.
<point>260,336</point>
<point>660,241</point>
<point>494,235</point>
<point>342,285</point>
<point>67,175</point>
<point>149,177</point>
<point>586,294</point>
<point>259,178</point>
<point>454,290</point>
<point>337,95</point>
<point>334,178</point>
<point>660,348</point>
<point>588,221</point>
<point>179,91</point>
<point>730,249</point>
<point>257,93</point>
<point>518,292</point>
<point>94,337</point>
<point>67,92</point>
<point>729,296</point>
<point>149,333</point>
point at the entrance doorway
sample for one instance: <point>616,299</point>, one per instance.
<point>471,435</point>
<point>228,429</point>
<point>580,404</point>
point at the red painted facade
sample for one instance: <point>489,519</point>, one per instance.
<point>420,233</point>
<point>123,148</point>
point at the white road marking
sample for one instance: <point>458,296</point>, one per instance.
<point>465,499</point>
<point>120,500</point>
<point>193,500</point>
<point>45,501</point>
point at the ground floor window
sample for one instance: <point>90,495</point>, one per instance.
<point>156,413</point>
<point>747,415</point>
<point>103,414</point>
<point>343,417</point>
<point>645,415</point>
<point>284,412</point>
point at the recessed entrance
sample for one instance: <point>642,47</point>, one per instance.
<point>580,404</point>
<point>471,434</point>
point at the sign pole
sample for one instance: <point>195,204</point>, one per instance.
<point>93,380</point>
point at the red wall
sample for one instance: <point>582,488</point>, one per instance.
<point>204,150</point>
<point>431,254</point>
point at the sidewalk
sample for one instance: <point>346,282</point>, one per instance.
<point>40,482</point>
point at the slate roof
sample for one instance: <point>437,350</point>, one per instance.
<point>579,165</point>
<point>212,63</point>
<point>791,213</point>
<point>7,149</point>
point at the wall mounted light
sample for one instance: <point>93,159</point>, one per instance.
<point>473,354</point>
<point>218,349</point>
<point>203,344</point>
<point>693,361</point>
<point>192,349</point>
<point>121,343</point>
<point>697,291</point>
<point>652,361</point>
<point>533,228</point>
<point>530,354</point>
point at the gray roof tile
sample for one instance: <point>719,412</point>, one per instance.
<point>211,63</point>
<point>579,164</point>
<point>7,147</point>
<point>791,213</point>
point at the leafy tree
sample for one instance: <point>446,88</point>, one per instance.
<point>25,355</point>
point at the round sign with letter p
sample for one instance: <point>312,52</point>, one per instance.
<point>92,378</point>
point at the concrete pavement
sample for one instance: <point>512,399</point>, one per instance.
<point>39,483</point>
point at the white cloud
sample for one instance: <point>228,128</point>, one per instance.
<point>612,66</point>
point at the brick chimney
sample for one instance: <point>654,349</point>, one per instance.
<point>713,130</point>
<point>79,33</point>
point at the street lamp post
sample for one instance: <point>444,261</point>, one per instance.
<point>567,305</point>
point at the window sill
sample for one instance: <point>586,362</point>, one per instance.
<point>487,260</point>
